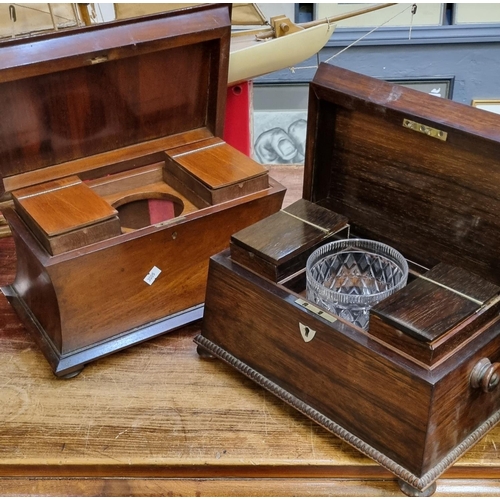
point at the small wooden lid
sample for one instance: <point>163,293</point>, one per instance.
<point>285,234</point>
<point>62,206</point>
<point>435,302</point>
<point>217,164</point>
<point>436,314</point>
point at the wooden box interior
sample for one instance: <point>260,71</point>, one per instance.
<point>115,86</point>
<point>434,196</point>
<point>125,117</point>
<point>433,200</point>
<point>431,190</point>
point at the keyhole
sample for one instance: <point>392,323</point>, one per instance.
<point>306,332</point>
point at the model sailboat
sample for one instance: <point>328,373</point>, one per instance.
<point>258,46</point>
<point>269,45</point>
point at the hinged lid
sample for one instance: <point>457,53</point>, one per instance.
<point>215,171</point>
<point>435,313</point>
<point>239,167</point>
<point>412,170</point>
<point>73,94</point>
<point>65,214</point>
<point>436,302</point>
<point>280,244</point>
<point>74,203</point>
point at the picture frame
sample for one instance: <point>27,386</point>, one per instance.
<point>280,115</point>
<point>279,122</point>
<point>440,87</point>
<point>492,105</point>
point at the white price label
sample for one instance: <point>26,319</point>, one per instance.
<point>152,275</point>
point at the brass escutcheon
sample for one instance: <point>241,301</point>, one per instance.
<point>306,332</point>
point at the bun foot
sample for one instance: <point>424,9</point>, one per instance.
<point>73,374</point>
<point>203,353</point>
<point>411,491</point>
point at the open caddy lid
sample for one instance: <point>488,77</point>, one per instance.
<point>415,171</point>
<point>159,81</point>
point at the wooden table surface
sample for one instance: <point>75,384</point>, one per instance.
<point>156,420</point>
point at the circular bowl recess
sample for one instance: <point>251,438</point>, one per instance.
<point>348,277</point>
<point>143,209</point>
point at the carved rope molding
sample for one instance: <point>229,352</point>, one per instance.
<point>420,483</point>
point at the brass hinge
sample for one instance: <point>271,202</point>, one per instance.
<point>425,129</point>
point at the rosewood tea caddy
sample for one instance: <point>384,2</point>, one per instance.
<point>121,185</point>
<point>420,386</point>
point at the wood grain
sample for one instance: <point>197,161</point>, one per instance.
<point>62,205</point>
<point>280,244</point>
<point>4,227</point>
<point>217,164</point>
<point>158,420</point>
<point>291,176</point>
<point>415,192</point>
<point>436,302</point>
<point>216,171</point>
<point>107,163</point>
<point>412,416</point>
<point>217,487</point>
<point>325,373</point>
<point>285,233</point>
<point>128,89</point>
<point>123,75</point>
<point>79,319</point>
<point>132,192</point>
<point>65,214</point>
<point>432,200</point>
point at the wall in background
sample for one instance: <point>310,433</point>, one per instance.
<point>475,67</point>
<point>464,54</point>
<point>464,45</point>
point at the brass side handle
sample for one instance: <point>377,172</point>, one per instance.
<point>485,375</point>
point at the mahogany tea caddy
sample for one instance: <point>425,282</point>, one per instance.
<point>421,174</point>
<point>122,186</point>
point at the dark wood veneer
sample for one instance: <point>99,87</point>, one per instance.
<point>279,245</point>
<point>433,200</point>
<point>420,386</point>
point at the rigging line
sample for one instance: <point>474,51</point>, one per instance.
<point>41,11</point>
<point>413,12</point>
<point>369,33</point>
<point>100,12</point>
<point>75,13</point>
<point>292,69</point>
<point>52,18</point>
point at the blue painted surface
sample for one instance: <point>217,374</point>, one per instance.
<point>470,55</point>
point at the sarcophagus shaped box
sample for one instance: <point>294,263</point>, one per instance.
<point>122,186</point>
<point>422,174</point>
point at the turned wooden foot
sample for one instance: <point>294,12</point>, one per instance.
<point>411,491</point>
<point>73,374</point>
<point>203,353</point>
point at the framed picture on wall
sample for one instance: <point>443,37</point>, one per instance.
<point>440,87</point>
<point>280,116</point>
<point>492,105</point>
<point>279,122</point>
